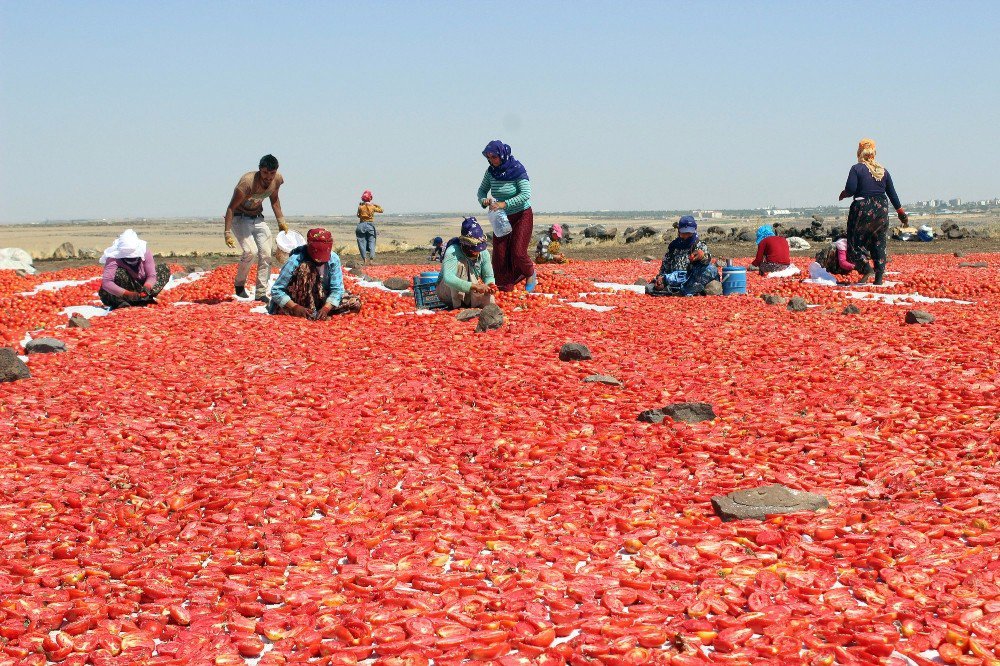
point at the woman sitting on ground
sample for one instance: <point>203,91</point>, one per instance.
<point>676,258</point>
<point>773,253</point>
<point>466,279</point>
<point>311,284</point>
<point>131,276</point>
<point>549,250</point>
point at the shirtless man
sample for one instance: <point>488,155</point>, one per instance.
<point>245,223</point>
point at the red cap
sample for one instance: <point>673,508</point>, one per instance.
<point>366,195</point>
<point>319,245</point>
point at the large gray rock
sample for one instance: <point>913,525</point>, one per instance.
<point>758,503</point>
<point>45,346</point>
<point>468,315</point>
<point>602,379</point>
<point>773,299</point>
<point>713,288</point>
<point>88,253</point>
<point>64,251</point>
<point>639,234</point>
<point>688,412</point>
<point>396,283</point>
<point>798,304</point>
<point>11,367</point>
<point>955,233</point>
<point>919,317</point>
<point>78,321</point>
<point>600,232</point>
<point>746,236</point>
<point>574,351</point>
<point>715,231</point>
<point>490,317</point>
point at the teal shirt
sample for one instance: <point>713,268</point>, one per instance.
<point>515,193</point>
<point>482,268</point>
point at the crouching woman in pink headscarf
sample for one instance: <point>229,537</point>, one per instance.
<point>131,277</point>
<point>549,250</point>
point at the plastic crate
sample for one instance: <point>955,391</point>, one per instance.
<point>426,298</point>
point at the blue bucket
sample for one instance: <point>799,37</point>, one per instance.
<point>734,280</point>
<point>428,277</point>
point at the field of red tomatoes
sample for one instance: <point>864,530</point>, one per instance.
<point>204,484</point>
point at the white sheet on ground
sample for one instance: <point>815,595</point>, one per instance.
<point>621,287</point>
<point>787,272</point>
<point>190,277</point>
<point>902,299</point>
<point>87,311</point>
<point>590,306</point>
<point>57,285</point>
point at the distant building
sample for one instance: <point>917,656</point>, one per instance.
<point>707,214</point>
<point>954,202</point>
<point>771,212</point>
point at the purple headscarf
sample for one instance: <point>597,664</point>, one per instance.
<point>509,169</point>
<point>473,237</point>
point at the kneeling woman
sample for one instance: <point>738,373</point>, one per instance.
<point>773,253</point>
<point>549,250</point>
<point>676,259</point>
<point>466,279</point>
<point>131,276</point>
<point>311,284</point>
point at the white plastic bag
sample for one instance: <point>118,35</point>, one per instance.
<point>500,223</point>
<point>289,240</point>
<point>286,242</point>
<point>14,258</point>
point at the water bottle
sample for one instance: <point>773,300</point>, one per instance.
<point>500,223</point>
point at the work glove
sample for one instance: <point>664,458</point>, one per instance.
<point>282,225</point>
<point>297,310</point>
<point>903,217</point>
<point>230,239</point>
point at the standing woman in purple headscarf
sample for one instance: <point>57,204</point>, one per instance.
<point>506,186</point>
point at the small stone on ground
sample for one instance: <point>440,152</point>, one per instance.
<point>45,346</point>
<point>468,315</point>
<point>602,379</point>
<point>574,351</point>
<point>798,304</point>
<point>919,317</point>
<point>490,317</point>
<point>851,310</point>
<point>396,283</point>
<point>772,299</point>
<point>78,321</point>
<point>11,367</point>
<point>758,503</point>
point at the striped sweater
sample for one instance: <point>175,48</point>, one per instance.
<point>516,194</point>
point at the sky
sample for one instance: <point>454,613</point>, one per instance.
<point>155,109</point>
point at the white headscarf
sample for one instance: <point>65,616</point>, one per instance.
<point>126,246</point>
<point>841,244</point>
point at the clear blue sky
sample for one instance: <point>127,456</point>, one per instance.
<point>112,109</point>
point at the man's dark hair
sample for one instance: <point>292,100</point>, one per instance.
<point>268,162</point>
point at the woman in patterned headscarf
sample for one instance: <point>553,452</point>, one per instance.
<point>868,221</point>
<point>311,284</point>
<point>506,187</point>
<point>466,279</point>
